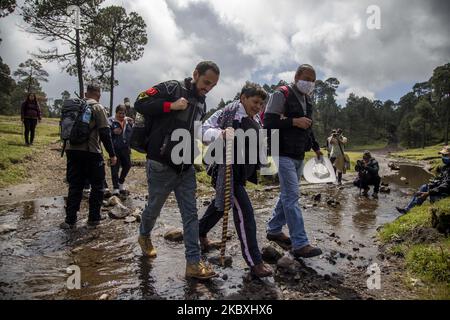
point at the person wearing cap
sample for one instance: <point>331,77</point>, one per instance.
<point>367,169</point>
<point>436,189</point>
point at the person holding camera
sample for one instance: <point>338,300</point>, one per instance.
<point>367,169</point>
<point>336,144</point>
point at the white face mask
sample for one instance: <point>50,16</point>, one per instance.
<point>305,87</point>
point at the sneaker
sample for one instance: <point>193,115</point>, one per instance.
<point>281,239</point>
<point>199,270</point>
<point>115,192</point>
<point>306,252</point>
<point>261,270</point>
<point>122,187</point>
<point>147,247</point>
<point>67,226</point>
<point>401,210</point>
<point>107,193</point>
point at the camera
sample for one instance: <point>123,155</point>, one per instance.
<point>360,167</point>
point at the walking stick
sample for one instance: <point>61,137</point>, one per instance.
<point>227,203</point>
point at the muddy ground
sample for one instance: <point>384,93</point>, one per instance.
<point>35,253</point>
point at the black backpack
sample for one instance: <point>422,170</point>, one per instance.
<point>142,127</point>
<point>76,115</point>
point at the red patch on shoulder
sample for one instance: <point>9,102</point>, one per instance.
<point>152,92</point>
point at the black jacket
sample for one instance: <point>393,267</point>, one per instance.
<point>294,142</point>
<point>441,184</point>
<point>371,169</point>
<point>121,141</point>
<point>160,121</point>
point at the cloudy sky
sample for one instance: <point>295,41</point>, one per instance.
<point>265,40</point>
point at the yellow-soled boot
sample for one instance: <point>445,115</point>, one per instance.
<point>147,247</point>
<point>200,271</point>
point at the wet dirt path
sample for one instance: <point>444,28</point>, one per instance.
<point>35,253</point>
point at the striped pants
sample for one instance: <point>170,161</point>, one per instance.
<point>244,221</point>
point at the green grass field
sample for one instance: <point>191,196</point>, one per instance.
<point>429,262</point>
<point>14,151</point>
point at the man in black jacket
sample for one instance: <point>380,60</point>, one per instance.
<point>290,110</point>
<point>436,189</point>
<point>367,169</point>
<point>167,107</point>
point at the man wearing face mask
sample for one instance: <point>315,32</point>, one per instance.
<point>436,189</point>
<point>290,110</point>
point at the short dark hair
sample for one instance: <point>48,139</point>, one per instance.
<point>121,107</point>
<point>93,87</point>
<point>304,67</point>
<point>251,89</point>
<point>204,66</point>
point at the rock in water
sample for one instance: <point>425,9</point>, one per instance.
<point>6,228</point>
<point>385,189</point>
<point>119,212</point>
<point>174,234</point>
<point>137,214</point>
<point>270,254</point>
<point>104,297</point>
<point>317,197</point>
<point>216,261</point>
<point>113,201</point>
<point>130,219</point>
<point>287,264</point>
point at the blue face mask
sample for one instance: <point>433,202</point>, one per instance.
<point>446,160</point>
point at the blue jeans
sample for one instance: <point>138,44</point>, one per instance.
<point>287,210</point>
<point>162,180</point>
<point>415,201</point>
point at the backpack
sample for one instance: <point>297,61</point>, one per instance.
<point>141,130</point>
<point>76,115</point>
<point>285,90</point>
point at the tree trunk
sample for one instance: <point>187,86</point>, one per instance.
<point>447,125</point>
<point>79,66</point>
<point>111,98</point>
<point>29,80</point>
<point>423,136</point>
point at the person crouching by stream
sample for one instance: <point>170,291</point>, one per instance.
<point>367,169</point>
<point>240,114</point>
<point>121,127</point>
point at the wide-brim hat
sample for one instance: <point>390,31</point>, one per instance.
<point>319,171</point>
<point>445,151</point>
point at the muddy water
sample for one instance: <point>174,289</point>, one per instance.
<point>34,257</point>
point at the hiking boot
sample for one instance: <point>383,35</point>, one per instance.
<point>306,252</point>
<point>200,271</point>
<point>67,226</point>
<point>147,247</point>
<point>401,210</point>
<point>206,244</point>
<point>261,270</point>
<point>281,239</point>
